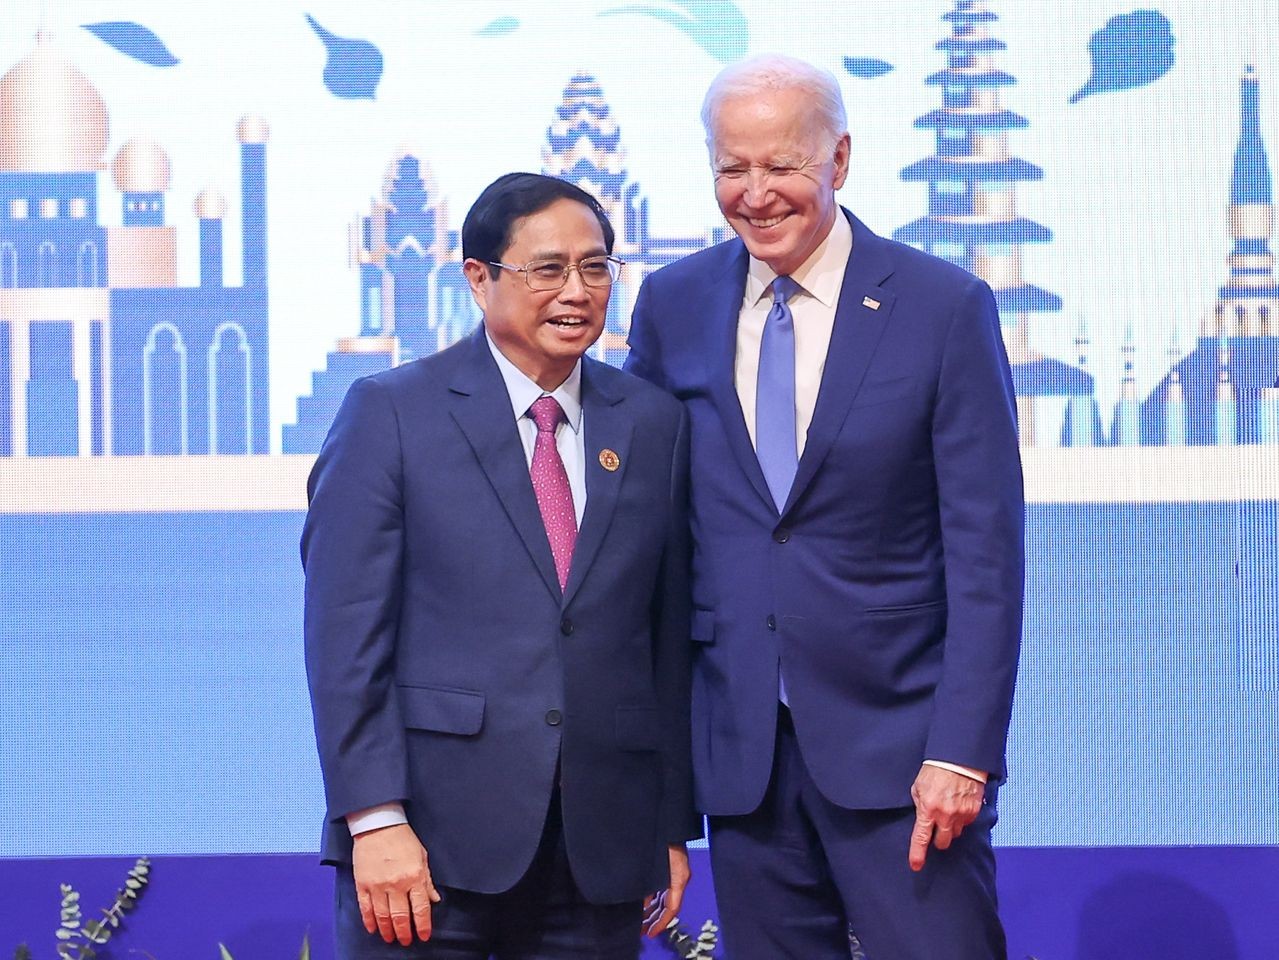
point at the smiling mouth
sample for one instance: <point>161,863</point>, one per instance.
<point>764,224</point>
<point>567,323</point>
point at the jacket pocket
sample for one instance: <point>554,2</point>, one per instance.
<point>902,608</point>
<point>884,391</point>
<point>638,728</point>
<point>441,709</point>
<point>703,626</point>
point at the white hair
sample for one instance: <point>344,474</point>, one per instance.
<point>775,71</point>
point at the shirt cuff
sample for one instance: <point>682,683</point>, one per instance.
<point>979,775</point>
<point>374,818</point>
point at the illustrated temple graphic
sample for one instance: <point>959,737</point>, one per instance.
<point>972,217</point>
<point>1224,392</point>
<point>102,352</point>
<point>414,299</point>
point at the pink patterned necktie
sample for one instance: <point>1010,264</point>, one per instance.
<point>550,484</point>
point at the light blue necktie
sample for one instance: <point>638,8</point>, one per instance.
<point>775,443</point>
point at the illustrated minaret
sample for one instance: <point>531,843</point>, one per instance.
<point>1082,426</point>
<point>583,146</point>
<point>210,208</point>
<point>1248,303</point>
<point>253,133</point>
<point>1236,359</point>
<point>972,215</point>
<point>1174,395</point>
<point>1126,430</point>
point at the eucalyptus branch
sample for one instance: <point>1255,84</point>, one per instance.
<point>77,938</point>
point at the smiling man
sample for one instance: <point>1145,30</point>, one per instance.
<point>857,510</point>
<point>497,620</point>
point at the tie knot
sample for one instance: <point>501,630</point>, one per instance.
<point>547,413</point>
<point>783,289</point>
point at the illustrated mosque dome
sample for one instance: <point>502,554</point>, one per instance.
<point>210,204</point>
<point>141,166</point>
<point>52,119</point>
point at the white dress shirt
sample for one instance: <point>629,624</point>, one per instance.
<point>813,306</point>
<point>820,278</point>
<point>571,444</point>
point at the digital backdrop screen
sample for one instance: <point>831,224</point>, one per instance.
<point>214,217</point>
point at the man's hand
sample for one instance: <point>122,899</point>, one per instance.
<point>393,884</point>
<point>661,908</point>
<point>945,803</point>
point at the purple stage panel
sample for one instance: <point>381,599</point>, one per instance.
<point>1104,903</point>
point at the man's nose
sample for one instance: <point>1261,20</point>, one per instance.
<point>574,286</point>
<point>758,187</point>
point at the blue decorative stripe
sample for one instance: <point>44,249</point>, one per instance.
<point>934,230</point>
<point>991,78</point>
<point>606,141</point>
<point>939,168</point>
<point>1251,247</point>
<point>1027,299</point>
<point>960,16</point>
<point>984,45</point>
<point>1232,292</point>
<point>998,120</point>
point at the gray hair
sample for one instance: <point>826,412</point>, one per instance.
<point>775,71</point>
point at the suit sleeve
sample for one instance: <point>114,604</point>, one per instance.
<point>982,514</point>
<point>352,548</point>
<point>672,614</point>
<point>643,360</point>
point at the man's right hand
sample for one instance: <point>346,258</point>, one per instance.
<point>393,883</point>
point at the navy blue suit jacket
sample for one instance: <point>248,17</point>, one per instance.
<point>447,670</point>
<point>890,587</point>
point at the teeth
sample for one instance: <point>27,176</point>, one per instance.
<point>770,222</point>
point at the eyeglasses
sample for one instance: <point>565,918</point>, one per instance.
<point>552,275</point>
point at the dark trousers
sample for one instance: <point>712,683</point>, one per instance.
<point>791,877</point>
<point>543,917</point>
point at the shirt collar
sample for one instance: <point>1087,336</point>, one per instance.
<point>524,391</point>
<point>820,276</point>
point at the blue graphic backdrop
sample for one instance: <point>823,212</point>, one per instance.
<point>213,219</point>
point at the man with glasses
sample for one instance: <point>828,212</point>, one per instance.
<point>857,584</point>
<point>496,562</point>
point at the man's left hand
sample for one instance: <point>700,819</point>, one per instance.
<point>945,803</point>
<point>661,908</point>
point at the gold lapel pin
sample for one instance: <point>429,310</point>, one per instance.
<point>870,302</point>
<point>609,460</point>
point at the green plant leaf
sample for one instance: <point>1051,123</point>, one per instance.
<point>133,884</point>
<point>305,952</point>
<point>65,933</point>
<point>226,954</point>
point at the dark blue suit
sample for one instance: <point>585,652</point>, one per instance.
<point>446,668</point>
<point>889,589</point>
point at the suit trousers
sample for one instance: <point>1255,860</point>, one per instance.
<point>792,878</point>
<point>543,917</point>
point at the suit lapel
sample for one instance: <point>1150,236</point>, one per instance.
<point>719,309</point>
<point>860,318</point>
<point>607,428</point>
<point>482,409</point>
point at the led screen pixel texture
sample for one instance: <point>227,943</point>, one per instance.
<point>213,219</point>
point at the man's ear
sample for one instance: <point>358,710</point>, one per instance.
<point>478,276</point>
<point>842,150</point>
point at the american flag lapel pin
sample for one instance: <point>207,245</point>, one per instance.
<point>870,302</point>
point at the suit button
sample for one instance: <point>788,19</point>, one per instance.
<point>781,534</point>
<point>771,622</point>
<point>554,718</point>
<point>566,626</point>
